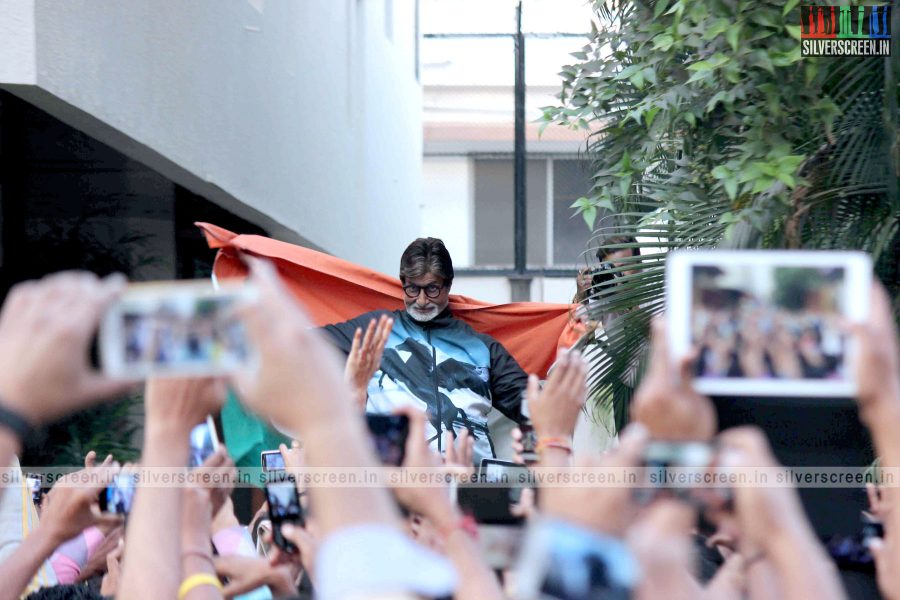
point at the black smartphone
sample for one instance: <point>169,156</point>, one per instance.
<point>272,461</point>
<point>204,442</point>
<point>390,433</point>
<point>669,468</point>
<point>509,474</point>
<point>34,481</point>
<point>488,504</point>
<point>529,443</point>
<point>118,496</point>
<point>284,507</point>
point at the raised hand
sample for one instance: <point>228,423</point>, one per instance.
<point>666,402</point>
<point>46,328</point>
<point>554,409</point>
<point>365,356</point>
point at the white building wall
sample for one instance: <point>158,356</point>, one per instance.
<point>303,116</point>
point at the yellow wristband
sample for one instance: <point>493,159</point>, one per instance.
<point>196,580</point>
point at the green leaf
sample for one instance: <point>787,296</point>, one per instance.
<point>663,42</point>
<point>590,216</point>
<point>659,8</point>
<point>789,6</point>
<point>793,31</point>
<point>721,172</point>
<point>731,188</point>
<point>732,35</point>
<point>716,60</point>
<point>625,184</point>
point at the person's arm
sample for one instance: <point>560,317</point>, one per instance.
<point>476,580</point>
<point>196,551</point>
<point>878,377</point>
<point>508,381</point>
<point>71,508</point>
<point>666,402</point>
<point>45,332</point>
<point>17,571</point>
<point>300,385</point>
<point>173,407</point>
<point>772,522</point>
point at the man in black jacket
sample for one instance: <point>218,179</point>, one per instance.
<point>435,361</point>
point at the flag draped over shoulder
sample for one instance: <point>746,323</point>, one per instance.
<point>334,290</point>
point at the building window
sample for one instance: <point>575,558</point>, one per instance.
<point>555,237</point>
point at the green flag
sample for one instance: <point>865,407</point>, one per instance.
<point>246,435</point>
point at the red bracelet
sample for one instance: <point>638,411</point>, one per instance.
<point>553,442</point>
<point>466,523</point>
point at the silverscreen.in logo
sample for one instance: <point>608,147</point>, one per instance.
<point>845,30</point>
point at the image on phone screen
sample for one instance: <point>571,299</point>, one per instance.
<point>389,433</point>
<point>118,496</point>
<point>272,461</point>
<point>204,442</point>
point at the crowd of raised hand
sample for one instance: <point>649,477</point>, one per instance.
<point>185,541</point>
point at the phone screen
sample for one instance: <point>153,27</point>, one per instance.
<point>389,433</point>
<point>175,329</point>
<point>284,505</point>
<point>272,460</point>
<point>284,502</point>
<point>118,497</point>
<point>34,481</point>
<point>204,442</point>
<point>488,504</point>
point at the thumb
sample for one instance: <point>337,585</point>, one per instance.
<point>876,547</point>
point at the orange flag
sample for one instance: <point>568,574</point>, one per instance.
<point>335,290</point>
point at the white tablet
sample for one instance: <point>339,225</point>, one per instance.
<point>767,322</point>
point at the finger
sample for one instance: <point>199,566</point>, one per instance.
<point>659,351</point>
<point>354,345</point>
<point>872,494</point>
<point>415,439</point>
<point>450,457</point>
<point>631,447</point>
<point>90,459</point>
<point>532,392</point>
<point>469,451</point>
<point>370,334</point>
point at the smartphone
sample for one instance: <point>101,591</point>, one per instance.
<point>272,461</point>
<point>529,443</point>
<point>34,481</point>
<point>506,473</point>
<point>561,561</point>
<point>284,507</point>
<point>488,504</point>
<point>669,467</point>
<point>767,323</point>
<point>390,433</point>
<point>204,442</point>
<point>118,496</point>
<point>175,329</point>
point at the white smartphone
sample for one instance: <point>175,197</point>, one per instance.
<point>204,441</point>
<point>766,322</point>
<point>175,329</point>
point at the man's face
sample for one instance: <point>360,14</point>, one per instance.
<point>616,257</point>
<point>421,307</point>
